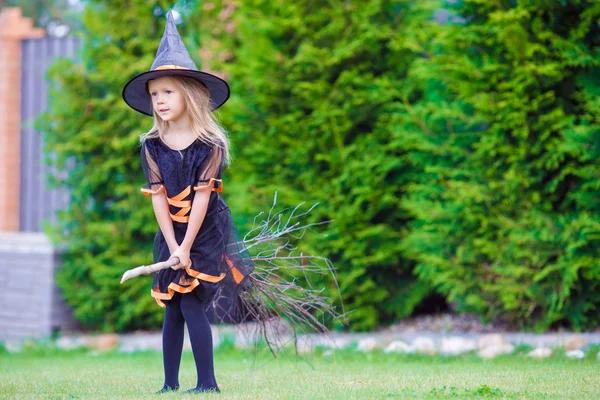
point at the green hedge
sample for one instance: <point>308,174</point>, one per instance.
<point>316,113</point>
<point>457,158</point>
<point>506,221</point>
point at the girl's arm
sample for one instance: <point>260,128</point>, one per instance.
<point>155,186</point>
<point>161,211</point>
<point>197,214</point>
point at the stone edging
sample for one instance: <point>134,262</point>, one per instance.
<point>486,345</point>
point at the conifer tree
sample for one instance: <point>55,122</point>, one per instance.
<point>507,215</point>
<point>316,97</point>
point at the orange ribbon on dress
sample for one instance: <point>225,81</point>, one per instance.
<point>186,206</point>
<point>217,185</point>
<point>174,287</point>
<point>148,192</point>
<point>178,201</point>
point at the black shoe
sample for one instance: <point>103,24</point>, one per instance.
<point>202,390</point>
<point>167,389</point>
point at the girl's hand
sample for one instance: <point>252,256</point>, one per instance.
<point>184,257</point>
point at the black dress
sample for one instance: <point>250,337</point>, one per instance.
<point>220,264</point>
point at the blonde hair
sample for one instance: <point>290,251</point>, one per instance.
<point>204,123</point>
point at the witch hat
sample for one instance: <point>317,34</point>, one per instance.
<point>172,58</point>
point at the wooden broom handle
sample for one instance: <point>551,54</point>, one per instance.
<point>148,269</point>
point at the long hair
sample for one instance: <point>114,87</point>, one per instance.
<point>203,122</point>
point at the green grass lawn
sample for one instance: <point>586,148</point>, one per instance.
<point>46,373</point>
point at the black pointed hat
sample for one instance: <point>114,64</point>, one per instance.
<point>172,58</point>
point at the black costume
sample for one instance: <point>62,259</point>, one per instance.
<point>217,253</point>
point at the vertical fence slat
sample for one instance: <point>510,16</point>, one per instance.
<point>37,202</point>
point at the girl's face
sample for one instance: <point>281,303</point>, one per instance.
<point>167,99</point>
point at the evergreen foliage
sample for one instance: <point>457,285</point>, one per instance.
<point>315,110</point>
<point>460,158</point>
<point>507,213</point>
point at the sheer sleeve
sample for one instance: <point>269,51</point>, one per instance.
<point>209,172</point>
<point>154,182</point>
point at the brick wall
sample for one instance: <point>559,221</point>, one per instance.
<point>14,28</point>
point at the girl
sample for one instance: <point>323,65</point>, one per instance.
<point>183,157</point>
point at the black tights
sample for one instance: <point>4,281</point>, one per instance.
<point>187,308</point>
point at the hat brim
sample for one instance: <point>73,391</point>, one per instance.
<point>137,97</point>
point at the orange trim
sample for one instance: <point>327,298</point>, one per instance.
<point>178,201</point>
<point>229,262</point>
<point>148,192</point>
<point>184,193</point>
<point>182,212</point>
<point>211,182</point>
<point>170,66</point>
<point>179,219</point>
<point>180,215</point>
<point>173,287</point>
<point>182,204</point>
<point>237,275</point>
<point>203,276</point>
<point>160,295</point>
<point>182,289</point>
